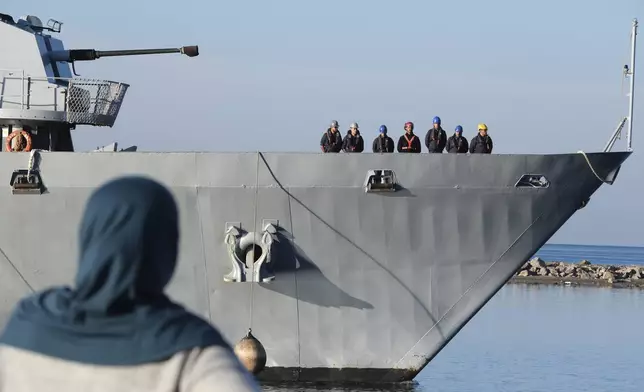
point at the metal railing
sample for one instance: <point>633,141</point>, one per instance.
<point>83,101</point>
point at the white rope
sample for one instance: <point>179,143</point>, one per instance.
<point>252,269</point>
<point>32,159</point>
<point>590,165</point>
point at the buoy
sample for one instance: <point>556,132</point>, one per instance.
<point>251,353</point>
<point>20,145</point>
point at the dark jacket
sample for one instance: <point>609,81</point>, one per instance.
<point>331,142</point>
<point>383,144</point>
<point>457,145</point>
<point>353,143</point>
<point>435,140</point>
<point>409,143</point>
<point>481,145</point>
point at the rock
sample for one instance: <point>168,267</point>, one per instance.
<point>608,276</point>
<point>570,270</point>
<point>625,272</point>
<point>552,271</point>
<point>584,271</point>
<point>543,271</point>
<point>583,274</point>
<point>640,274</point>
<point>537,263</point>
<point>630,272</point>
<point>622,273</point>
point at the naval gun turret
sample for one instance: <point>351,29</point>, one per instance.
<point>41,97</point>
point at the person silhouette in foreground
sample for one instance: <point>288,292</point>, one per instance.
<point>116,330</point>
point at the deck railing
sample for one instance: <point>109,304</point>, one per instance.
<point>83,101</point>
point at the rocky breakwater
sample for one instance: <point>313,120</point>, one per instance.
<point>537,271</point>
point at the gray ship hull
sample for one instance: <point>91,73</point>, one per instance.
<point>368,286</point>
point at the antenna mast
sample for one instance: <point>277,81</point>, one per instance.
<point>631,72</point>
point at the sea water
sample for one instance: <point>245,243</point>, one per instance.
<point>543,338</point>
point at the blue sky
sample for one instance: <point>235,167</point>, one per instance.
<point>545,76</point>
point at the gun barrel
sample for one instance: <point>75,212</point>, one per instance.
<point>92,54</point>
<point>134,52</point>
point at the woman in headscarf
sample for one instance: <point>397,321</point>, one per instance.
<point>116,330</point>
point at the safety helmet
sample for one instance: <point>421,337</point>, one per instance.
<point>354,125</point>
<point>334,124</point>
<point>436,120</point>
<point>409,123</point>
<point>482,126</point>
<point>383,129</point>
<point>458,128</point>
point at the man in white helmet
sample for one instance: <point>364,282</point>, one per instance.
<point>331,139</point>
<point>353,141</point>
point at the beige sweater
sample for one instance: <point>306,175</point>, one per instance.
<point>200,370</point>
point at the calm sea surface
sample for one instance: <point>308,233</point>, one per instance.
<point>544,338</point>
<point>595,254</point>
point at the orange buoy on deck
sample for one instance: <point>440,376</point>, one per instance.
<point>20,145</point>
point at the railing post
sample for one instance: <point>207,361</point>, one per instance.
<point>22,89</point>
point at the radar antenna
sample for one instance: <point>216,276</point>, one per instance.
<point>628,71</point>
<point>631,72</point>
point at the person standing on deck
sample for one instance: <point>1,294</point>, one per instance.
<point>409,142</point>
<point>383,143</point>
<point>353,142</point>
<point>116,329</point>
<point>331,139</point>
<point>436,138</point>
<point>482,142</point>
<point>457,143</point>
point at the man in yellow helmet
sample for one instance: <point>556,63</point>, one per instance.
<point>481,143</point>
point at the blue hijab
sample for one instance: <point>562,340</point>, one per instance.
<point>117,313</point>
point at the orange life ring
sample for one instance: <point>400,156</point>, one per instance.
<point>12,135</point>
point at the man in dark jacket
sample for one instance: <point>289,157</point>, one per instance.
<point>481,143</point>
<point>436,138</point>
<point>383,143</point>
<point>353,141</point>
<point>331,139</point>
<point>457,143</point>
<point>409,142</point>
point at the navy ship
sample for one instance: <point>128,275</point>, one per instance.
<point>361,276</point>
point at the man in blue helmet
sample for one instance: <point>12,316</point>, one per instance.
<point>436,138</point>
<point>457,143</point>
<point>383,143</point>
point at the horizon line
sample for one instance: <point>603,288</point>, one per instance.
<point>596,246</point>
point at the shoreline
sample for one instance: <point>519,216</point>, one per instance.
<point>584,273</point>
